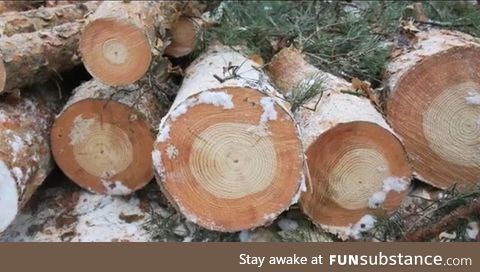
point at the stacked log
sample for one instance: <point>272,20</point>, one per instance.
<point>41,18</point>
<point>434,105</point>
<point>29,58</point>
<point>103,138</point>
<point>120,39</point>
<point>228,154</point>
<point>25,159</point>
<point>356,164</point>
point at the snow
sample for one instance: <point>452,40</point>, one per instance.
<point>301,189</point>
<point>366,223</point>
<point>287,224</point>
<point>3,118</point>
<point>8,197</point>
<point>396,184</point>
<point>16,143</point>
<point>473,99</point>
<point>376,199</point>
<point>164,134</point>
<point>17,172</point>
<point>269,112</point>
<point>219,99</point>
<point>472,230</point>
<point>158,164</point>
<point>245,236</point>
<point>116,188</point>
<point>99,219</point>
<point>80,129</point>
<point>181,109</point>
<point>172,151</point>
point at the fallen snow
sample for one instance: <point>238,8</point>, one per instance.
<point>396,184</point>
<point>245,236</point>
<point>472,230</point>
<point>219,99</point>
<point>366,223</point>
<point>8,197</point>
<point>287,224</point>
<point>269,112</point>
<point>172,151</point>
<point>376,199</point>
<point>473,99</point>
<point>301,189</point>
<point>158,164</point>
<point>116,188</point>
<point>164,134</point>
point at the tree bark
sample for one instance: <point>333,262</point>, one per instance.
<point>19,5</point>
<point>73,215</point>
<point>38,19</point>
<point>351,151</point>
<point>228,153</point>
<point>120,40</point>
<point>25,158</point>
<point>434,106</point>
<point>30,58</point>
<point>103,137</point>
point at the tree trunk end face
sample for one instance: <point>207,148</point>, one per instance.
<point>115,52</point>
<point>435,108</point>
<point>103,146</point>
<point>350,167</point>
<point>231,157</point>
<point>184,35</point>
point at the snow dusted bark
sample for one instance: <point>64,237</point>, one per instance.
<point>356,164</point>
<point>228,154</point>
<point>434,106</point>
<point>74,215</point>
<point>30,58</point>
<point>104,136</point>
<point>42,18</point>
<point>25,159</point>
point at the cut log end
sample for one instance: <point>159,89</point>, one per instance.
<point>441,133</point>
<point>234,149</point>
<point>101,145</point>
<point>116,53</point>
<point>184,35</point>
<point>355,168</point>
<point>3,75</point>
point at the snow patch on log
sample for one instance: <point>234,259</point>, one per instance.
<point>301,189</point>
<point>164,133</point>
<point>116,188</point>
<point>269,112</point>
<point>396,184</point>
<point>473,99</point>
<point>172,152</point>
<point>157,162</point>
<point>355,231</point>
<point>80,130</point>
<point>8,197</point>
<point>99,219</point>
<point>219,99</point>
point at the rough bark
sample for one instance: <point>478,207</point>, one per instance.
<point>121,40</point>
<point>19,5</point>
<point>38,19</point>
<point>351,151</point>
<point>434,106</point>
<point>103,137</point>
<point>25,158</point>
<point>72,215</point>
<point>228,153</point>
<point>30,58</point>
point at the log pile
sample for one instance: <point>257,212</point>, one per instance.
<point>234,149</point>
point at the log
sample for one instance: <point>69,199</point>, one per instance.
<point>72,215</point>
<point>30,58</point>
<point>436,111</point>
<point>19,5</point>
<point>183,36</point>
<point>25,158</point>
<point>357,166</point>
<point>120,39</point>
<point>41,18</point>
<point>103,138</point>
<point>228,154</point>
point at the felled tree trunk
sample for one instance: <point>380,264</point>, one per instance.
<point>103,138</point>
<point>434,106</point>
<point>356,164</point>
<point>30,58</point>
<point>228,153</point>
<point>73,215</point>
<point>37,19</point>
<point>19,5</point>
<point>25,159</point>
<point>183,36</point>
<point>120,39</point>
